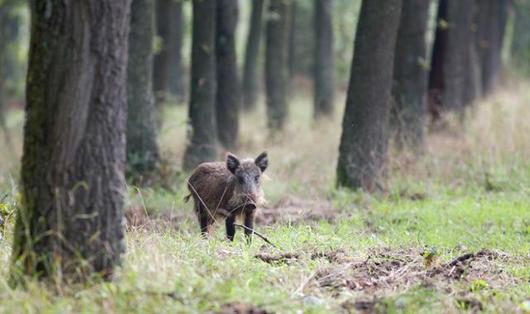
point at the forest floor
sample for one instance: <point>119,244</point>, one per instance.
<point>451,234</point>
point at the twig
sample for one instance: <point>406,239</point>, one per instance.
<point>460,259</point>
<point>264,238</point>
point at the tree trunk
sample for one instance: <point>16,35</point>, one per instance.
<point>176,75</point>
<point>491,20</point>
<point>3,63</point>
<point>457,84</point>
<point>250,74</point>
<point>324,71</point>
<point>70,220</point>
<point>452,73</point>
<point>437,71</point>
<point>276,65</point>
<point>161,68</point>
<point>410,76</point>
<point>292,38</point>
<point>142,148</point>
<point>202,132</point>
<point>520,47</point>
<point>167,74</point>
<point>364,140</point>
<point>228,93</point>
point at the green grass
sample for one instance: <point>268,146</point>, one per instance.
<point>469,191</point>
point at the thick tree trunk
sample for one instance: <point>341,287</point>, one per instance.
<point>70,220</point>
<point>324,69</point>
<point>142,148</point>
<point>410,76</point>
<point>520,47</point>
<point>276,65</point>
<point>228,91</point>
<point>364,140</point>
<point>202,132</point>
<point>167,74</point>
<point>250,74</point>
<point>491,20</point>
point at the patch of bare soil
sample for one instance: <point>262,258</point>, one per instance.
<point>294,210</point>
<point>241,308</point>
<point>390,269</point>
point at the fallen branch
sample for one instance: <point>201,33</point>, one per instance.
<point>460,259</point>
<point>264,238</point>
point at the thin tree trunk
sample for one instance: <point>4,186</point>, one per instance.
<point>437,71</point>
<point>142,148</point>
<point>491,20</point>
<point>176,75</point>
<point>292,38</point>
<point>324,70</point>
<point>364,140</point>
<point>70,220</point>
<point>3,62</point>
<point>167,74</point>
<point>276,63</point>
<point>410,76</point>
<point>460,14</point>
<point>202,132</point>
<point>520,47</point>
<point>228,91</point>
<point>250,74</point>
<point>452,77</point>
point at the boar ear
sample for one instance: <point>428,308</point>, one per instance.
<point>232,163</point>
<point>262,161</point>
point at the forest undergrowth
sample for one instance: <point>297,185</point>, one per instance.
<point>450,233</point>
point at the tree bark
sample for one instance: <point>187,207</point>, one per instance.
<point>276,63</point>
<point>452,76</point>
<point>364,140</point>
<point>228,91</point>
<point>161,59</point>
<point>167,74</point>
<point>437,72</point>
<point>292,38</point>
<point>202,131</point>
<point>492,16</point>
<point>520,47</point>
<point>324,70</point>
<point>250,74</point>
<point>70,220</point>
<point>142,148</point>
<point>176,75</point>
<point>410,76</point>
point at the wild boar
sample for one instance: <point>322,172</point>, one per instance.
<point>228,190</point>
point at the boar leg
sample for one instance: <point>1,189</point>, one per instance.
<point>203,220</point>
<point>230,228</point>
<point>249,223</point>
